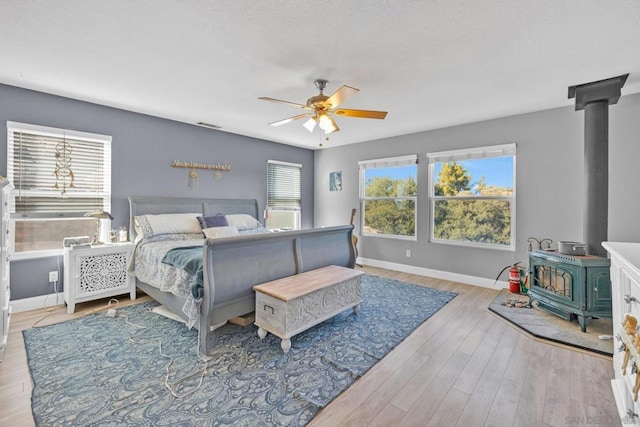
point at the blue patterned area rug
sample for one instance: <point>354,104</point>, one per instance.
<point>106,371</point>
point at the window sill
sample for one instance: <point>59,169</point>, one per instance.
<point>510,248</point>
<point>20,256</point>
<point>391,236</point>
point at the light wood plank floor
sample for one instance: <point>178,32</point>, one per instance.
<point>463,367</point>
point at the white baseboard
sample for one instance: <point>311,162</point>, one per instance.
<point>34,303</point>
<point>436,274</point>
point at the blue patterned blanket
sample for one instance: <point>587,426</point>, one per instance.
<point>189,259</point>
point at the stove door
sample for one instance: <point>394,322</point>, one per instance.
<point>598,289</point>
<point>556,283</point>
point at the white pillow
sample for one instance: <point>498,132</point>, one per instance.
<point>221,232</point>
<point>243,221</point>
<point>153,225</point>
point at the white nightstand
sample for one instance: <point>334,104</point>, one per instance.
<point>92,272</point>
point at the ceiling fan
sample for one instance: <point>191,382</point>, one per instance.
<point>321,107</point>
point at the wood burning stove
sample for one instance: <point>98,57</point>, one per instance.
<point>570,286</point>
<point>579,286</point>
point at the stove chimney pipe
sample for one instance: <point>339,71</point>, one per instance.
<point>594,98</point>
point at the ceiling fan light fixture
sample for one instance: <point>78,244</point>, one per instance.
<point>326,123</point>
<point>310,124</point>
<point>321,107</point>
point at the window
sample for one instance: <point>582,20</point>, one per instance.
<point>472,196</point>
<point>283,195</point>
<point>58,176</point>
<point>388,195</point>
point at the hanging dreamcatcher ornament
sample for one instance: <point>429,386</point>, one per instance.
<point>63,173</point>
<point>193,179</point>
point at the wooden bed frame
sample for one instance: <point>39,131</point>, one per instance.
<point>233,266</point>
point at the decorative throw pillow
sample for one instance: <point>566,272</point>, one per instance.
<point>212,221</point>
<point>153,225</point>
<point>243,221</point>
<point>221,232</point>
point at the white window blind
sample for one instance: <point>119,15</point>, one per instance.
<point>283,185</point>
<point>472,153</point>
<point>32,155</point>
<point>388,162</point>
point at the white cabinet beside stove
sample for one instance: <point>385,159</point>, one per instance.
<point>625,289</point>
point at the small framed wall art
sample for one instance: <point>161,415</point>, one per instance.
<point>335,181</point>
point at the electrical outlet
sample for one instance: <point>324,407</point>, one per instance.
<point>408,253</point>
<point>53,276</point>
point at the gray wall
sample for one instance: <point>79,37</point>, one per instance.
<point>549,175</point>
<point>142,150</point>
<point>549,184</point>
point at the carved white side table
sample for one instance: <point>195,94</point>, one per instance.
<point>93,272</point>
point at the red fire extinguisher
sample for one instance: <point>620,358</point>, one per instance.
<point>514,279</point>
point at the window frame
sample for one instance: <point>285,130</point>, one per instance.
<point>297,210</point>
<point>384,163</point>
<point>104,196</point>
<point>475,153</point>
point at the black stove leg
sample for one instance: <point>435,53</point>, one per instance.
<point>583,323</point>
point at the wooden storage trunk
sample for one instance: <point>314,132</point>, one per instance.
<point>293,304</point>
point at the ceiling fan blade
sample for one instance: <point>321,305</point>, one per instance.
<point>363,114</point>
<point>290,119</point>
<point>341,95</point>
<point>304,107</point>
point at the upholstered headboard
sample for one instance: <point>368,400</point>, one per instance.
<point>163,205</point>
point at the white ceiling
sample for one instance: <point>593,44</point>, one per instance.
<point>430,64</point>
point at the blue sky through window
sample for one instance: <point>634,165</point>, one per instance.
<point>497,171</point>
<point>399,172</point>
